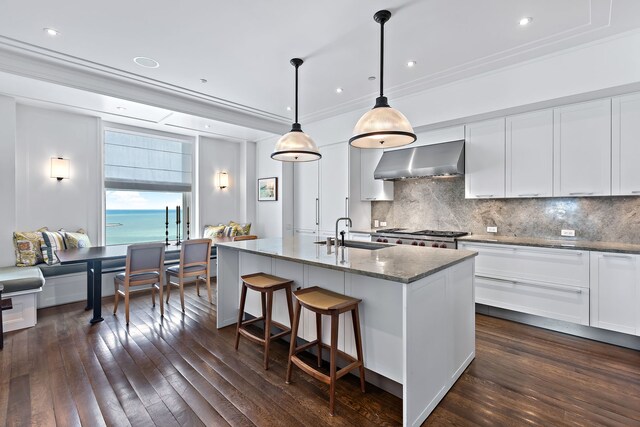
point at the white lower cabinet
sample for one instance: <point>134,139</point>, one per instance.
<point>615,292</point>
<point>553,283</point>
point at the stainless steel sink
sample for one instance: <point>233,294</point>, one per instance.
<point>372,246</point>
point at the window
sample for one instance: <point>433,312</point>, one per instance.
<point>144,175</point>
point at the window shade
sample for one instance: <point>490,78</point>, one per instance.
<point>146,162</point>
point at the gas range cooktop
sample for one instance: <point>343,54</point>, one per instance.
<point>430,233</point>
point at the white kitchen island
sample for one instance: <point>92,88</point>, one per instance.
<point>417,310</point>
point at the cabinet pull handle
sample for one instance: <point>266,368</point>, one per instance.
<point>635,192</point>
<point>616,256</point>
<point>346,207</point>
<point>529,195</point>
<point>581,193</point>
<point>317,210</point>
<point>484,195</point>
<point>571,289</point>
<point>370,198</point>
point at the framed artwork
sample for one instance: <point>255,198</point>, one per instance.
<point>268,189</point>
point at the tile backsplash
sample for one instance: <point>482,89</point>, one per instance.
<point>439,203</point>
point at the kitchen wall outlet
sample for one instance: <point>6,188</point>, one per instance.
<point>492,229</point>
<point>376,223</point>
<point>568,233</point>
<point>383,223</point>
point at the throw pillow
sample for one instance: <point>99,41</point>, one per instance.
<point>242,229</point>
<point>213,231</point>
<point>78,239</point>
<point>28,246</point>
<point>52,242</point>
<point>229,231</point>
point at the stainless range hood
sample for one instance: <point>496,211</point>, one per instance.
<point>442,159</point>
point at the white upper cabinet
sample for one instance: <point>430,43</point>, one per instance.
<point>582,149</point>
<point>334,185</point>
<point>485,159</point>
<point>370,188</point>
<point>529,155</point>
<point>625,131</point>
<point>615,292</point>
<point>306,201</point>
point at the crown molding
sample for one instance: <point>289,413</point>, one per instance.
<point>79,74</point>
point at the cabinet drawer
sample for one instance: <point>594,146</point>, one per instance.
<point>567,303</point>
<point>531,264</point>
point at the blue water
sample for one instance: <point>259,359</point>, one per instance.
<point>137,226</point>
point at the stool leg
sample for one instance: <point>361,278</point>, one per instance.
<point>334,350</point>
<point>289,305</point>
<point>267,329</point>
<point>355,316</point>
<point>319,336</point>
<point>181,292</point>
<point>197,286</point>
<point>243,298</point>
<point>263,302</point>
<point>294,336</point>
<point>153,295</point>
<point>168,286</point>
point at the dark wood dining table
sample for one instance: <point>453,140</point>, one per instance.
<point>96,255</point>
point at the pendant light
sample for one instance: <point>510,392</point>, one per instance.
<point>383,126</point>
<point>296,146</point>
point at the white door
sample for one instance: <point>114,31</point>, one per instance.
<point>615,292</point>
<point>582,149</point>
<point>334,185</point>
<point>485,159</point>
<point>306,202</point>
<point>370,188</point>
<point>529,156</point>
<point>625,148</point>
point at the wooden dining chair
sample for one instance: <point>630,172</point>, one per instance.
<point>143,271</point>
<point>247,237</point>
<point>194,263</point>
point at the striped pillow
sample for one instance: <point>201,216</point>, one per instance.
<point>229,231</point>
<point>52,241</point>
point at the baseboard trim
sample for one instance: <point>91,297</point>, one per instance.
<point>589,332</point>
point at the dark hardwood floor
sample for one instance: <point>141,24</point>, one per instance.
<point>183,371</point>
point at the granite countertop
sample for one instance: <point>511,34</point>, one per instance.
<point>404,264</point>
<point>585,245</point>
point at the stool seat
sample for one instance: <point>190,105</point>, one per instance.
<point>323,299</point>
<point>264,280</point>
<point>325,302</point>
<point>266,285</point>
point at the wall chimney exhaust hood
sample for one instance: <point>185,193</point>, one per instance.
<point>442,159</point>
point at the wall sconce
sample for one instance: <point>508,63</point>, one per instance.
<point>223,180</point>
<point>60,168</point>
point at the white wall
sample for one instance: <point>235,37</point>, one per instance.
<point>219,205</point>
<point>7,179</point>
<point>269,215</point>
<point>43,201</point>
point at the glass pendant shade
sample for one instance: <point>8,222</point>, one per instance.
<point>296,146</point>
<point>382,127</point>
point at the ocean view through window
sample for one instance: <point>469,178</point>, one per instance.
<point>139,217</point>
<point>145,174</point>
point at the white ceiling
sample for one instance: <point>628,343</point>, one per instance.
<point>243,47</point>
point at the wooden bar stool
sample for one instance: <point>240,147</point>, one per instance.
<point>266,284</point>
<point>322,301</point>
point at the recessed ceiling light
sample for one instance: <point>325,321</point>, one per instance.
<point>288,108</point>
<point>203,80</point>
<point>371,78</point>
<point>526,21</point>
<point>207,126</point>
<point>145,62</point>
<point>51,31</point>
<point>339,90</point>
<point>411,63</point>
<point>120,108</point>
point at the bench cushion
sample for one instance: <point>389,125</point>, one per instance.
<point>17,279</point>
